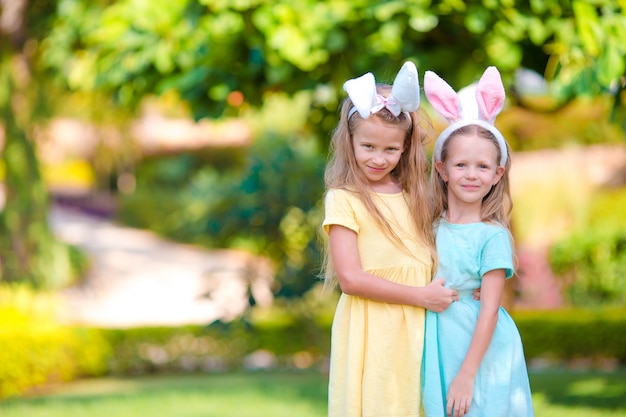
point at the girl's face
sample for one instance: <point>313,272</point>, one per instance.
<point>377,149</point>
<point>471,169</point>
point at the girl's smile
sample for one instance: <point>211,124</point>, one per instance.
<point>471,188</point>
<point>376,170</point>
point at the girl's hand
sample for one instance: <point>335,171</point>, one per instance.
<point>460,394</point>
<point>476,294</point>
<point>436,297</point>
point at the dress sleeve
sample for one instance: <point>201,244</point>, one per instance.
<point>338,210</point>
<point>497,253</point>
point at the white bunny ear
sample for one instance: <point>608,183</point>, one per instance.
<point>406,87</point>
<point>467,100</point>
<point>490,95</point>
<point>442,97</point>
<point>362,92</point>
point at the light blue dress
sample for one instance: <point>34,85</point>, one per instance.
<point>501,388</point>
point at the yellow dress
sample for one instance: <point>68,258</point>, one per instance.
<point>376,348</point>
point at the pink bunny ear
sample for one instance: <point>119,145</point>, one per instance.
<point>442,97</point>
<point>490,95</point>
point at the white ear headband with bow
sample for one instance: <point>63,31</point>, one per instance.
<point>405,93</point>
<point>473,105</point>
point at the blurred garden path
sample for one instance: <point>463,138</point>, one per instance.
<point>139,279</point>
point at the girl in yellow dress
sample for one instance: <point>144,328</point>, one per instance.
<point>380,250</point>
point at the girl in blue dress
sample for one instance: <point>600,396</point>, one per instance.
<point>474,362</point>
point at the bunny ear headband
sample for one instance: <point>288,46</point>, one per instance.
<point>405,93</point>
<point>474,105</point>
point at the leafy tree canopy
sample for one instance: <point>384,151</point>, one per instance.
<point>214,52</point>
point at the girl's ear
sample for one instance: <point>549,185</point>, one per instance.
<point>499,173</point>
<point>441,170</point>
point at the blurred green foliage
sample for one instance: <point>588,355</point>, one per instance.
<point>28,250</point>
<point>582,121</point>
<point>206,50</point>
<point>145,350</point>
<point>286,333</point>
<point>37,349</point>
<point>287,330</point>
<point>573,333</point>
<point>591,261</point>
<point>266,200</point>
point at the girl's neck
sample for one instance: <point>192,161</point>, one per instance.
<point>463,214</point>
<point>390,187</point>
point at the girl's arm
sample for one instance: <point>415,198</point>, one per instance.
<point>461,389</point>
<point>354,281</point>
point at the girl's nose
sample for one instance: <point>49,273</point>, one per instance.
<point>470,173</point>
<point>378,159</point>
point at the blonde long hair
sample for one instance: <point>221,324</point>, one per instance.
<point>497,204</point>
<point>342,172</point>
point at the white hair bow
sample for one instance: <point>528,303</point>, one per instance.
<point>405,93</point>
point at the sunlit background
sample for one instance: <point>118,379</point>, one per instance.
<point>161,182</point>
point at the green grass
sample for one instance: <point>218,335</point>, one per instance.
<point>274,394</point>
<point>284,394</point>
<point>579,394</point>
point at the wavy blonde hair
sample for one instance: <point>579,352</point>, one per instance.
<point>342,172</point>
<point>497,204</point>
